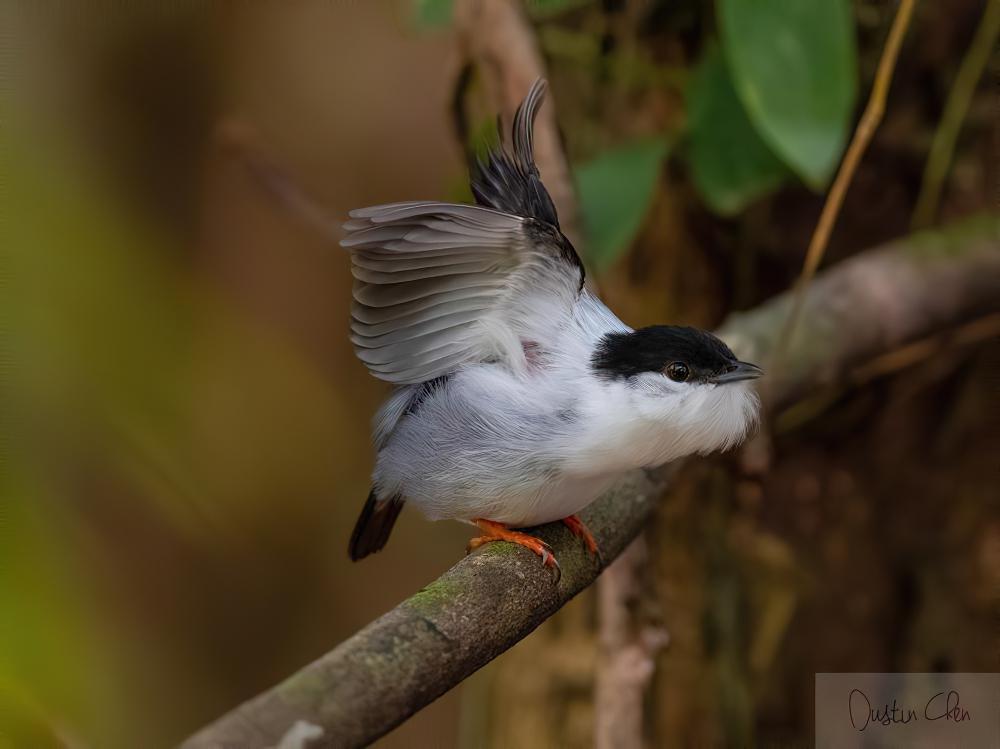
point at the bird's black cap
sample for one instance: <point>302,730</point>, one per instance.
<point>654,349</point>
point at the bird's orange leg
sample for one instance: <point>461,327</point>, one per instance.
<point>576,525</point>
<point>493,531</point>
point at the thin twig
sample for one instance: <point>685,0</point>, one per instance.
<point>242,140</point>
<point>870,120</point>
<point>968,334</point>
<point>884,365</point>
<point>955,109</point>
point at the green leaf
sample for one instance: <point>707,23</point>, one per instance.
<point>432,14</point>
<point>615,190</point>
<point>730,164</point>
<point>794,66</point>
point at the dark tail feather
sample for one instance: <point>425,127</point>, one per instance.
<point>508,180</point>
<point>374,526</point>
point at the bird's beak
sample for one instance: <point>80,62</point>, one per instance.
<point>740,370</point>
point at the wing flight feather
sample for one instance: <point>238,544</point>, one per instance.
<point>440,285</point>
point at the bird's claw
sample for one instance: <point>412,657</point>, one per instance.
<point>549,560</point>
<point>493,531</point>
<point>577,528</point>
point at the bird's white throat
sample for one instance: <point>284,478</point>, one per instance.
<point>632,425</point>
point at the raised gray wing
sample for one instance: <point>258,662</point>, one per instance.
<point>439,285</point>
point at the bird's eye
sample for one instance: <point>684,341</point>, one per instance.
<point>678,371</point>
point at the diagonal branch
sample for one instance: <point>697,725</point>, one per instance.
<point>489,601</point>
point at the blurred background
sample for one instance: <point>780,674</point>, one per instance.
<point>186,429</point>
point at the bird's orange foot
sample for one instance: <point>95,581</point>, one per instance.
<point>492,531</point>
<point>576,525</point>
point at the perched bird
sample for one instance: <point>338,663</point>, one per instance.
<point>519,396</point>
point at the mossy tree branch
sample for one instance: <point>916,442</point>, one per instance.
<point>489,601</point>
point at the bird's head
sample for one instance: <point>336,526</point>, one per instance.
<point>684,378</point>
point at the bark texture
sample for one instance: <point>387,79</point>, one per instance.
<point>489,601</point>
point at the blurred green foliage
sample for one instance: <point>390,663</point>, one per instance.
<point>431,14</point>
<point>548,8</point>
<point>770,97</point>
<point>615,191</point>
<point>130,375</point>
<point>49,648</point>
<point>730,163</point>
<point>46,625</point>
<point>794,66</point>
<point>484,137</point>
